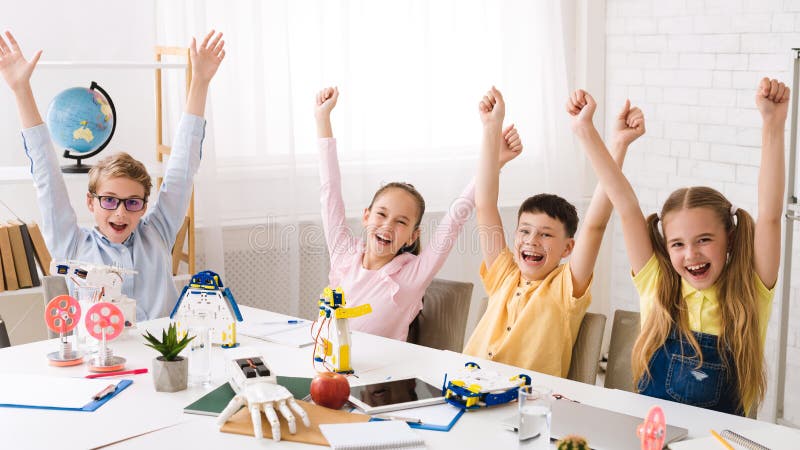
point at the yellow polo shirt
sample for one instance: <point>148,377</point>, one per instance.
<point>528,324</point>
<point>705,315</point>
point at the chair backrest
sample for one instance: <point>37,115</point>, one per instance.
<point>586,351</point>
<point>4,340</point>
<point>53,286</point>
<point>624,332</point>
<point>443,319</point>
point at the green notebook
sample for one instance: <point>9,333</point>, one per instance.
<point>215,401</point>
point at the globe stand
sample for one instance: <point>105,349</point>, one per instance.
<point>78,167</point>
<point>84,168</point>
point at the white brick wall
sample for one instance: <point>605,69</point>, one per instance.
<point>692,66</point>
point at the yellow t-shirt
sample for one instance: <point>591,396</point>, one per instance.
<point>528,324</point>
<point>703,305</point>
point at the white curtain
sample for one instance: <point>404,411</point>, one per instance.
<point>410,74</point>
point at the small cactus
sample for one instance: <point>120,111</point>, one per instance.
<point>572,443</point>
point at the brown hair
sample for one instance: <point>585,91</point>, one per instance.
<point>736,291</point>
<point>120,165</point>
<point>555,207</point>
<point>414,248</point>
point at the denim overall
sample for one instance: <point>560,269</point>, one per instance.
<point>676,378</point>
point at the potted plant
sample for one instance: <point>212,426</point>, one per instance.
<point>170,371</point>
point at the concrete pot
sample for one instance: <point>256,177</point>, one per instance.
<point>170,376</point>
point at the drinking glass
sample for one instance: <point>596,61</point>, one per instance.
<point>534,417</point>
<point>199,353</point>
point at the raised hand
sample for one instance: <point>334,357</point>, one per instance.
<point>581,106</point>
<point>511,146</point>
<point>207,58</point>
<point>629,124</point>
<point>492,108</point>
<point>326,101</point>
<point>15,68</point>
<point>772,100</point>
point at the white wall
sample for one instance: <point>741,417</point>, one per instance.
<point>693,67</point>
<point>90,30</point>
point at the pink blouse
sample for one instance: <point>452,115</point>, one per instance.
<point>395,290</point>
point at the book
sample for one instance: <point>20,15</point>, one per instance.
<point>40,248</point>
<point>2,277</point>
<point>371,435</point>
<point>8,259</point>
<point>764,437</point>
<point>18,253</point>
<point>29,251</point>
<point>212,403</point>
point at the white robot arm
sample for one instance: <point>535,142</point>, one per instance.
<point>257,389</point>
<point>106,278</point>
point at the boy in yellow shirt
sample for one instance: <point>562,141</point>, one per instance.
<point>536,304</point>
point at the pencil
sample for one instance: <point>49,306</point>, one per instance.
<point>722,440</point>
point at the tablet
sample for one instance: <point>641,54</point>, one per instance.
<point>392,395</point>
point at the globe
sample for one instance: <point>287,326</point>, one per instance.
<point>82,122</point>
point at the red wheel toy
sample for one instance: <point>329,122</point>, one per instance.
<point>62,314</point>
<point>653,430</point>
<point>104,317</point>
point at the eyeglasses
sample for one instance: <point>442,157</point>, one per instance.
<point>132,204</point>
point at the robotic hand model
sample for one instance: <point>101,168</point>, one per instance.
<point>108,279</point>
<point>336,345</point>
<point>473,387</point>
<point>256,388</point>
<point>206,303</point>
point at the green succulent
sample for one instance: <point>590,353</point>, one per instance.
<point>572,443</point>
<point>169,346</point>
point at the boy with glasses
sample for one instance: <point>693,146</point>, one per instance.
<point>130,232</point>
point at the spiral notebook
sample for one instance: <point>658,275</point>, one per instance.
<point>771,437</point>
<point>388,434</point>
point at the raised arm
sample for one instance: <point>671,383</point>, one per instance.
<point>611,178</point>
<point>434,255</point>
<point>487,185</point>
<point>168,210</point>
<point>334,222</point>
<point>17,73</point>
<point>628,126</point>
<point>772,99</point>
<point>59,222</point>
<point>205,62</point>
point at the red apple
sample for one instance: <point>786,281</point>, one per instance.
<point>330,389</point>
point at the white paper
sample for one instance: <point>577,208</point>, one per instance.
<point>40,390</point>
<point>439,415</point>
<point>774,437</point>
<point>369,435</point>
<point>292,335</point>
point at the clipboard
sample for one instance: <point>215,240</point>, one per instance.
<point>14,381</point>
<point>427,416</point>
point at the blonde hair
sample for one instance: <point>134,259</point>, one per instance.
<point>120,165</point>
<point>736,291</point>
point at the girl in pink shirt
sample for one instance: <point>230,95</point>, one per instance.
<point>386,269</point>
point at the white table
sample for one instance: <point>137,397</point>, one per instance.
<point>139,409</point>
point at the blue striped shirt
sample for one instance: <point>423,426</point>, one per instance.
<point>148,250</point>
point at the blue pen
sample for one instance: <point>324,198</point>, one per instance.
<point>292,322</point>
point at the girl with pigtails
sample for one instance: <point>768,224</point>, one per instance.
<point>705,272</point>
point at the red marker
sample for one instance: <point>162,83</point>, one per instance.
<point>114,374</point>
<point>108,390</point>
